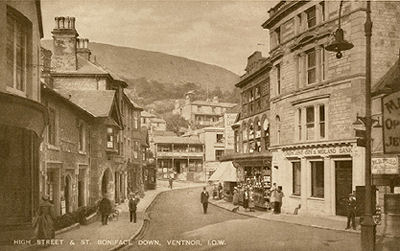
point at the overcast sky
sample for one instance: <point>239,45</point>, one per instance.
<point>223,33</point>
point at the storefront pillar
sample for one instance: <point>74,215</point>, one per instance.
<point>304,183</point>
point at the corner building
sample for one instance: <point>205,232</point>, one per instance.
<point>316,97</point>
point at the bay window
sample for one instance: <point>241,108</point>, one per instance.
<point>311,17</point>
<point>311,66</point>
<point>310,120</point>
<point>312,126</point>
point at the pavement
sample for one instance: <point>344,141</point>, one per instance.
<point>337,223</point>
<point>117,233</point>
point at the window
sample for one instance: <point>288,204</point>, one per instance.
<point>258,137</point>
<point>110,138</point>
<point>311,66</point>
<point>278,78</point>
<point>296,171</point>
<point>135,120</point>
<point>82,140</point>
<point>321,121</point>
<point>252,145</point>
<point>278,35</point>
<point>220,138</point>
<point>266,134</point>
<point>237,141</point>
<point>135,149</point>
<point>322,8</point>
<point>278,129</point>
<point>52,127</point>
<point>310,119</point>
<point>17,52</point>
<point>311,19</point>
<point>218,154</point>
<point>322,63</point>
<point>317,179</point>
<point>299,124</point>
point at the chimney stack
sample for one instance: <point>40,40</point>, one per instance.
<point>64,43</point>
<point>82,45</point>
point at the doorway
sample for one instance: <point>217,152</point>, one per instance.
<point>343,184</point>
<point>67,193</point>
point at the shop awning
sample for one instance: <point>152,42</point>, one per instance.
<point>225,173</point>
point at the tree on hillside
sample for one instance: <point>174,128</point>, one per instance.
<point>175,122</point>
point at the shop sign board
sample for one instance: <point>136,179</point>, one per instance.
<point>388,165</point>
<point>319,151</point>
<point>391,123</point>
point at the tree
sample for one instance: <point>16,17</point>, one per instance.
<point>175,122</point>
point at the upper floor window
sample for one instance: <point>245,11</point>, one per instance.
<point>218,154</point>
<point>310,123</point>
<point>311,17</point>
<point>111,139</point>
<point>52,130</point>
<point>82,137</point>
<point>322,62</point>
<point>314,122</point>
<point>278,129</point>
<point>220,138</point>
<point>322,11</point>
<point>237,139</point>
<point>321,121</point>
<point>135,149</point>
<point>311,66</point>
<point>266,134</point>
<point>278,35</point>
<point>135,120</point>
<point>278,79</point>
<point>17,52</point>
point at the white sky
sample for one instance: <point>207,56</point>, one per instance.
<point>223,33</point>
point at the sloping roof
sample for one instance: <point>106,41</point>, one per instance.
<point>210,103</point>
<point>130,99</point>
<point>163,133</point>
<point>159,120</point>
<point>98,103</point>
<point>234,109</point>
<point>176,140</point>
<point>226,172</point>
<point>390,81</point>
<point>147,114</point>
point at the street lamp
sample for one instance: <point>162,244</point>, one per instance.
<point>368,227</point>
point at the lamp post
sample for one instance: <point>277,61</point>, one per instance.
<point>368,224</point>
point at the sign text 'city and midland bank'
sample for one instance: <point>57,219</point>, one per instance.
<point>391,123</point>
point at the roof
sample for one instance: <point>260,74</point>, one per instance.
<point>211,103</point>
<point>234,109</point>
<point>130,99</point>
<point>147,114</point>
<point>159,120</point>
<point>390,81</point>
<point>97,103</point>
<point>226,172</point>
<point>163,133</point>
<point>176,140</point>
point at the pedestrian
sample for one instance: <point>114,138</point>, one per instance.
<point>105,209</point>
<point>204,199</point>
<point>235,200</point>
<point>133,202</point>
<point>246,199</point>
<point>279,196</point>
<point>43,223</point>
<point>171,181</point>
<point>215,192</point>
<point>251,200</point>
<point>273,198</point>
<point>220,191</point>
<point>351,211</point>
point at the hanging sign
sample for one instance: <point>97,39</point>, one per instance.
<point>391,123</point>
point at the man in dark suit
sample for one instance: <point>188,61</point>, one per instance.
<point>133,201</point>
<point>204,199</point>
<point>105,208</point>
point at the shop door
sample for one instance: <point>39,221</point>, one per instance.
<point>343,184</point>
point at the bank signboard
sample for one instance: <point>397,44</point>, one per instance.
<point>391,123</point>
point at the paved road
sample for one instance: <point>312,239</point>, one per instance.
<point>178,216</point>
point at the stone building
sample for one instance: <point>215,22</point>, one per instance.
<point>22,117</point>
<point>115,156</point>
<point>251,155</point>
<point>201,113</point>
<point>316,97</point>
<point>152,122</point>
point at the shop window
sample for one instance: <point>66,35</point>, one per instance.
<point>311,17</point>
<point>310,126</point>
<point>296,182</point>
<point>311,66</point>
<point>218,154</point>
<point>317,179</point>
<point>18,31</point>
<point>52,130</point>
<point>111,138</point>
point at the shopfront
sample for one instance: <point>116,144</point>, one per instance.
<point>317,178</point>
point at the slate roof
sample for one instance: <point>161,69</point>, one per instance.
<point>390,81</point>
<point>176,140</point>
<point>97,103</point>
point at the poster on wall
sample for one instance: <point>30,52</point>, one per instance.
<point>391,122</point>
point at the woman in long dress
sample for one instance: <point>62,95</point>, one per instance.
<point>44,221</point>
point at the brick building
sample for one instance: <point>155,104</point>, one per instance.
<point>316,97</point>
<point>22,117</point>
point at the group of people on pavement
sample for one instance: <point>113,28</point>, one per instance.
<point>218,191</point>
<point>105,207</point>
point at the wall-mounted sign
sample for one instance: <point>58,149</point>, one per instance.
<point>319,151</point>
<point>385,165</point>
<point>391,123</point>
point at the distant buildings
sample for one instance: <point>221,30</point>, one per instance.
<point>179,157</point>
<point>201,113</point>
<point>152,122</point>
<point>22,118</point>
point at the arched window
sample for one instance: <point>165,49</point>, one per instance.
<point>252,145</point>
<point>257,125</point>
<point>278,129</point>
